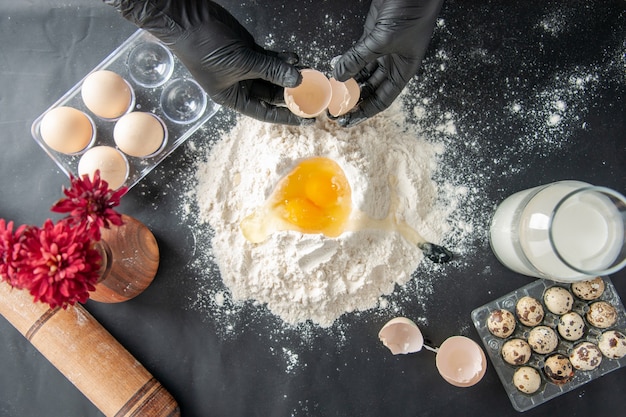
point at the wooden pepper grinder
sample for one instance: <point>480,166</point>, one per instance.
<point>87,355</point>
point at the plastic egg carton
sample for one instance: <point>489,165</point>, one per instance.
<point>547,390</point>
<point>147,98</point>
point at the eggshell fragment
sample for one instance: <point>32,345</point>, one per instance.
<point>106,94</point>
<point>311,97</point>
<point>401,336</point>
<point>461,361</point>
<point>139,134</point>
<point>66,130</point>
<point>344,96</point>
<point>112,164</point>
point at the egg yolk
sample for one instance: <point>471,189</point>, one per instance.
<point>313,198</point>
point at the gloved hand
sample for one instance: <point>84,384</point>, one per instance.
<point>388,54</point>
<point>220,54</point>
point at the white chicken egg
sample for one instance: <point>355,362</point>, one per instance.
<point>107,94</point>
<point>401,336</point>
<point>112,164</point>
<point>461,362</point>
<point>67,130</point>
<point>139,134</point>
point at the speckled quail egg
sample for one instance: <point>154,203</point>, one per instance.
<point>501,323</point>
<point>612,344</point>
<point>601,314</point>
<point>588,290</point>
<point>543,340</point>
<point>516,351</point>
<point>529,311</point>
<point>571,326</point>
<point>558,300</point>
<point>585,356</point>
<point>527,379</point>
<point>558,369</point>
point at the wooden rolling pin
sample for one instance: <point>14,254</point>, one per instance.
<point>86,354</point>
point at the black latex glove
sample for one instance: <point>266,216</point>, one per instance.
<point>388,54</point>
<point>220,53</point>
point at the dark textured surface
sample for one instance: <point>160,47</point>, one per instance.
<point>499,69</point>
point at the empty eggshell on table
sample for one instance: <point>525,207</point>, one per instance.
<point>107,94</point>
<point>66,130</point>
<point>461,361</point>
<point>112,164</point>
<point>401,336</point>
<point>139,134</point>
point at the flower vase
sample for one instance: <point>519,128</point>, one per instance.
<point>130,257</point>
<point>88,356</point>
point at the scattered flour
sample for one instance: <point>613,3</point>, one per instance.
<point>309,277</point>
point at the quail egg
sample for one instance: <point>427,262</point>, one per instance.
<point>558,300</point>
<point>558,369</point>
<point>601,314</point>
<point>612,344</point>
<point>571,326</point>
<point>516,351</point>
<point>529,311</point>
<point>588,290</point>
<point>501,323</point>
<point>527,379</point>
<point>585,356</point>
<point>543,340</point>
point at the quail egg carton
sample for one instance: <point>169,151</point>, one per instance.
<point>548,390</point>
<point>146,99</point>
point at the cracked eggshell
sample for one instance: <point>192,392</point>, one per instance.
<point>311,97</point>
<point>461,361</point>
<point>345,95</point>
<point>401,336</point>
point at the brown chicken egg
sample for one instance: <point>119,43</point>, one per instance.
<point>139,134</point>
<point>106,94</point>
<point>66,130</point>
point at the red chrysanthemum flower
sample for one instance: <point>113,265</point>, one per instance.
<point>91,202</point>
<point>60,265</point>
<point>10,244</point>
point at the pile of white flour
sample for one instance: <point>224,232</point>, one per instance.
<point>309,277</point>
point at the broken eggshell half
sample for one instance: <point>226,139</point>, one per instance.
<point>317,93</point>
<point>461,361</point>
<point>401,336</point>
